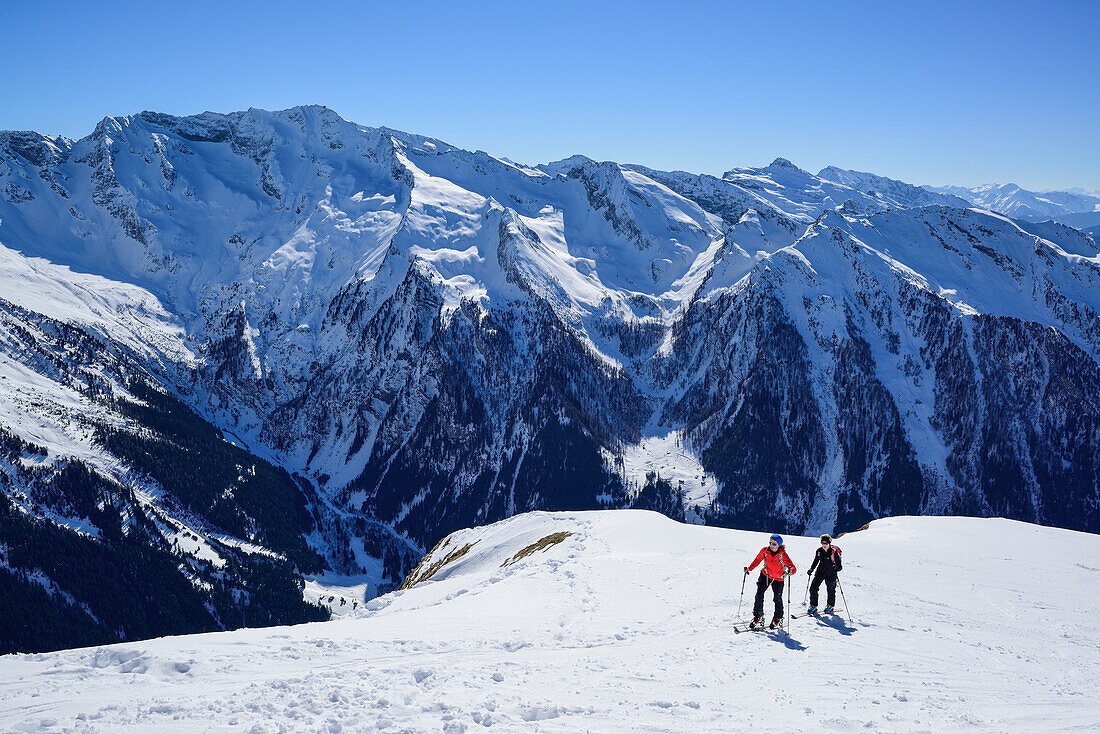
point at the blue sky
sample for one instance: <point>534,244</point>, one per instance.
<point>929,92</point>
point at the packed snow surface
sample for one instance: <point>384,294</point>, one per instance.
<point>627,625</point>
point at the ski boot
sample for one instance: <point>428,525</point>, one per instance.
<point>756,622</point>
<point>811,610</point>
<point>777,622</point>
<point>828,610</point>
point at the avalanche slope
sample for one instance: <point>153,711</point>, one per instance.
<point>621,621</point>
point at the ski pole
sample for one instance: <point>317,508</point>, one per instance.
<point>742,597</point>
<point>787,629</point>
<point>846,609</point>
<point>807,594</point>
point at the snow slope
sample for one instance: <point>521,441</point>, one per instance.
<point>625,625</point>
<point>38,406</point>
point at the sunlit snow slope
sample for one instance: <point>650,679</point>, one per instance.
<point>625,625</point>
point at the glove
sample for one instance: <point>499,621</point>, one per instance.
<point>746,570</point>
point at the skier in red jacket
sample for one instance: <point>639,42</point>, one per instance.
<point>777,567</point>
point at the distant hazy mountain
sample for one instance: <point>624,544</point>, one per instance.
<point>1076,207</point>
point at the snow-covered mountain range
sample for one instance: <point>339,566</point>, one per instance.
<point>282,335</point>
<point>623,621</point>
<point>1076,207</point>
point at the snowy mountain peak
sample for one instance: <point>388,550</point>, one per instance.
<point>783,163</point>
<point>34,148</point>
<point>890,191</point>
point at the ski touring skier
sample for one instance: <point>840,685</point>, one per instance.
<point>827,562</point>
<point>777,567</point>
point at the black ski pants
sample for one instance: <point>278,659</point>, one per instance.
<point>762,584</point>
<point>830,587</point>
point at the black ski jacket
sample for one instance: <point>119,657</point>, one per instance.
<point>827,562</point>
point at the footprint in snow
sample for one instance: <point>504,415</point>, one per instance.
<point>541,713</point>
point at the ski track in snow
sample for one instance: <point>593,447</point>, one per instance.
<point>959,623</point>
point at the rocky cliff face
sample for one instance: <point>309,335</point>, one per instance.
<point>425,338</point>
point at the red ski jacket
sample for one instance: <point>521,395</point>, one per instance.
<point>775,563</point>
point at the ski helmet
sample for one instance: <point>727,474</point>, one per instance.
<point>777,538</point>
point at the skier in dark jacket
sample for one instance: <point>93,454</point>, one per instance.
<point>827,561</point>
<point>777,567</point>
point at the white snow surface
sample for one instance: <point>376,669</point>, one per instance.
<point>127,314</point>
<point>626,625</point>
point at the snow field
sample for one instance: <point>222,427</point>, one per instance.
<point>625,625</point>
<point>671,457</point>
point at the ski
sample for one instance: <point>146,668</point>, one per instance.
<point>739,628</point>
<point>816,614</point>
